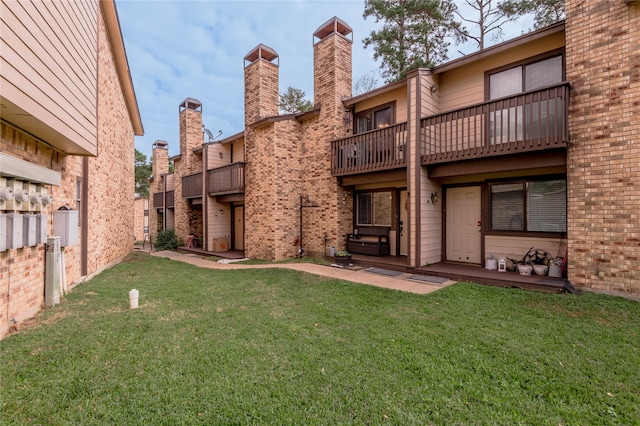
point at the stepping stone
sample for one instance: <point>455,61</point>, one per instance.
<point>429,279</point>
<point>386,272</point>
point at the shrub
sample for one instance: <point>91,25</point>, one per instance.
<point>166,240</point>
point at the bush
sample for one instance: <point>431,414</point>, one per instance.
<point>166,240</point>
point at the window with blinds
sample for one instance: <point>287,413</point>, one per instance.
<point>529,121</point>
<point>374,208</point>
<point>532,206</point>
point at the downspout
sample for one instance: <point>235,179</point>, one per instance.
<point>205,199</point>
<point>164,202</point>
<point>84,249</point>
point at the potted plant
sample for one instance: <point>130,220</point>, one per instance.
<point>342,257</point>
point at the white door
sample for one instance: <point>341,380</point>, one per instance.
<point>404,225</point>
<point>463,224</point>
<point>238,229</point>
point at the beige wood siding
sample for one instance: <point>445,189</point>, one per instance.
<point>50,72</point>
<point>218,224</point>
<point>464,86</point>
<point>517,247</point>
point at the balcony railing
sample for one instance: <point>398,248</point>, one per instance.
<point>158,199</point>
<point>226,180</point>
<point>378,150</point>
<point>192,186</point>
<point>531,121</point>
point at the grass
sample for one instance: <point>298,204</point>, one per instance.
<point>281,347</point>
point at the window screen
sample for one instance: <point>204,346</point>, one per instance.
<point>547,206</point>
<point>543,73</point>
<point>507,207</point>
<point>364,214</point>
<point>374,208</point>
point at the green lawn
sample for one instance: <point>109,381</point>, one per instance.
<point>271,346</point>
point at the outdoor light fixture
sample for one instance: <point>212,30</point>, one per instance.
<point>221,211</point>
<point>433,88</point>
<point>220,154</point>
<point>434,198</point>
<point>347,116</point>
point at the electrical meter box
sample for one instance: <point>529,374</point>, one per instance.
<point>28,230</point>
<point>14,231</point>
<point>65,226</point>
<point>41,228</point>
<point>3,232</point>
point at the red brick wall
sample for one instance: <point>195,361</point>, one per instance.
<point>109,205</point>
<point>603,177</point>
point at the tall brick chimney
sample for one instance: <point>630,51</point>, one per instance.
<point>332,69</point>
<point>260,84</point>
<point>191,135</point>
<point>159,167</point>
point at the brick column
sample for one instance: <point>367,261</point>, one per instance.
<point>603,161</point>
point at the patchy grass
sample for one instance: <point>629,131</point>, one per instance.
<point>273,346</point>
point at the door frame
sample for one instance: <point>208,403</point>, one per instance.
<point>405,225</point>
<point>483,219</point>
<point>232,243</point>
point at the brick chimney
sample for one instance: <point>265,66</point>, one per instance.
<point>332,70</point>
<point>159,167</point>
<point>191,135</point>
<point>260,84</point>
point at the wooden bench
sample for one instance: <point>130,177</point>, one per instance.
<point>369,241</point>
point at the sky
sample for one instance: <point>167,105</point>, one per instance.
<point>180,49</point>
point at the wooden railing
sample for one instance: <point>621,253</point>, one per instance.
<point>192,186</point>
<point>531,121</point>
<point>158,199</point>
<point>226,180</point>
<point>381,149</point>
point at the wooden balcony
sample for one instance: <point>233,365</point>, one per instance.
<point>159,197</point>
<point>226,180</point>
<point>531,121</point>
<point>382,149</point>
<point>192,186</point>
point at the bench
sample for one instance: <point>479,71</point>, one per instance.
<point>369,241</point>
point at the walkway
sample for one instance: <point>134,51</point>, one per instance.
<point>371,276</point>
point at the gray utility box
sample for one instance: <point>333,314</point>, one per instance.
<point>28,230</point>
<point>65,226</point>
<point>14,231</point>
<point>41,228</point>
<point>3,232</point>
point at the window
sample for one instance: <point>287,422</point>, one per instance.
<point>373,208</point>
<point>513,121</point>
<point>374,119</point>
<point>532,206</point>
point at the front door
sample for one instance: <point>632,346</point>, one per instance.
<point>238,228</point>
<point>463,235</point>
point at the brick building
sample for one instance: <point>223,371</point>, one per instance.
<point>528,143</point>
<point>67,123</point>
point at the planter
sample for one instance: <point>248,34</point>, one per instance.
<point>524,269</point>
<point>491,264</point>
<point>342,260</point>
<point>540,269</point>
